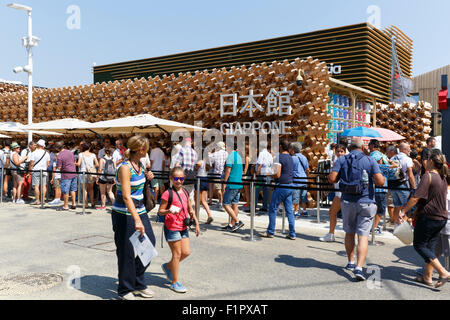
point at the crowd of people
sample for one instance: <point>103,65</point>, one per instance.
<point>368,181</point>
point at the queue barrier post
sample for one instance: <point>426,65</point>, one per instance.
<point>318,200</point>
<point>197,198</point>
<point>41,188</point>
<point>252,213</point>
<point>1,197</point>
<point>83,183</point>
<point>283,220</point>
<point>447,263</point>
<point>79,188</point>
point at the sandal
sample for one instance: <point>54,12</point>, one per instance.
<point>62,209</point>
<point>441,282</point>
<point>210,219</point>
<point>421,280</point>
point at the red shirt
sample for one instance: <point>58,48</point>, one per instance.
<point>175,222</point>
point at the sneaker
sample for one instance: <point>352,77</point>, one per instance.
<point>146,293</point>
<point>359,274</point>
<point>329,237</point>
<point>20,201</point>
<point>305,214</point>
<point>290,237</point>
<point>237,226</point>
<point>178,287</point>
<point>209,221</point>
<point>377,231</point>
<point>100,208</point>
<point>297,215</point>
<point>55,202</point>
<point>13,201</point>
<point>350,266</point>
<point>167,272</point>
<point>265,235</point>
<point>128,296</point>
<point>228,227</point>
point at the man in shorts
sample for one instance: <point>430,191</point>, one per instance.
<point>39,160</point>
<point>217,162</point>
<point>233,173</point>
<point>358,201</point>
<point>66,163</point>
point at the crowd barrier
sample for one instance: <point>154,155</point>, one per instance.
<point>253,181</point>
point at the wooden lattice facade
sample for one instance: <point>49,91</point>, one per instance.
<point>362,51</point>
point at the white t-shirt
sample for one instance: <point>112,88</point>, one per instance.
<point>145,161</point>
<point>157,156</point>
<point>116,156</point>
<point>446,229</point>
<point>36,156</point>
<point>2,159</point>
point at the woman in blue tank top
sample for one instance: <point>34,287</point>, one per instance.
<point>128,216</point>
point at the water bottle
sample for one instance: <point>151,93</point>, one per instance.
<point>365,179</point>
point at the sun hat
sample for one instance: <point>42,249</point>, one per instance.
<point>41,143</point>
<point>15,145</point>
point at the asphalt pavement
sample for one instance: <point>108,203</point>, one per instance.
<point>50,255</point>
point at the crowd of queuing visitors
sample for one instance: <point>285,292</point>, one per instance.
<point>369,179</point>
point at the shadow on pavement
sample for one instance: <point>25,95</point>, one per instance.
<point>408,255</point>
<point>106,287</point>
<point>312,263</point>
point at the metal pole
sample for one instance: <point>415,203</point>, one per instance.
<point>283,220</point>
<point>372,241</point>
<point>252,210</point>
<point>318,200</point>
<point>79,188</point>
<point>384,219</point>
<point>83,177</point>
<point>1,197</point>
<point>30,75</point>
<point>41,186</point>
<point>447,263</point>
<point>197,199</point>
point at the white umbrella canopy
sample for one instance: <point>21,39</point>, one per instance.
<point>143,123</point>
<point>18,128</point>
<point>63,126</point>
<point>2,136</point>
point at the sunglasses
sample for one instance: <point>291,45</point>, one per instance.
<point>181,179</point>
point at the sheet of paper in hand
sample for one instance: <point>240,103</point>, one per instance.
<point>143,248</point>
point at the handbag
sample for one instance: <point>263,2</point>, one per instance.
<point>404,232</point>
<point>91,178</point>
<point>149,198</point>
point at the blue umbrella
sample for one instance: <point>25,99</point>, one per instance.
<point>361,132</point>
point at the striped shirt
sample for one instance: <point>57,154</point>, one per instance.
<point>137,192</point>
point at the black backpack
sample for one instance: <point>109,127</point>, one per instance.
<point>109,170</point>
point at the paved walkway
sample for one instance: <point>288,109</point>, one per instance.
<point>64,246</point>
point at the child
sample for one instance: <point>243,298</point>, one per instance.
<point>176,230</point>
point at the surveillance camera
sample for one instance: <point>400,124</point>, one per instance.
<point>28,69</point>
<point>300,77</point>
<point>17,69</point>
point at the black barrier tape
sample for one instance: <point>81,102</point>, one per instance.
<point>258,183</point>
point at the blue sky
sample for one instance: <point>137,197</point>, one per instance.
<point>114,31</point>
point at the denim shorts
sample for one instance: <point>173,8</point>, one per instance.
<point>381,201</point>
<point>231,196</point>
<point>173,236</point>
<point>400,197</point>
<point>69,185</point>
<point>299,196</point>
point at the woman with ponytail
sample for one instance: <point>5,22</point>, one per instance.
<point>128,216</point>
<point>432,215</point>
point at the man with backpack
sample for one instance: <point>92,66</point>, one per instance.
<point>405,180</point>
<point>301,170</point>
<point>357,174</point>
